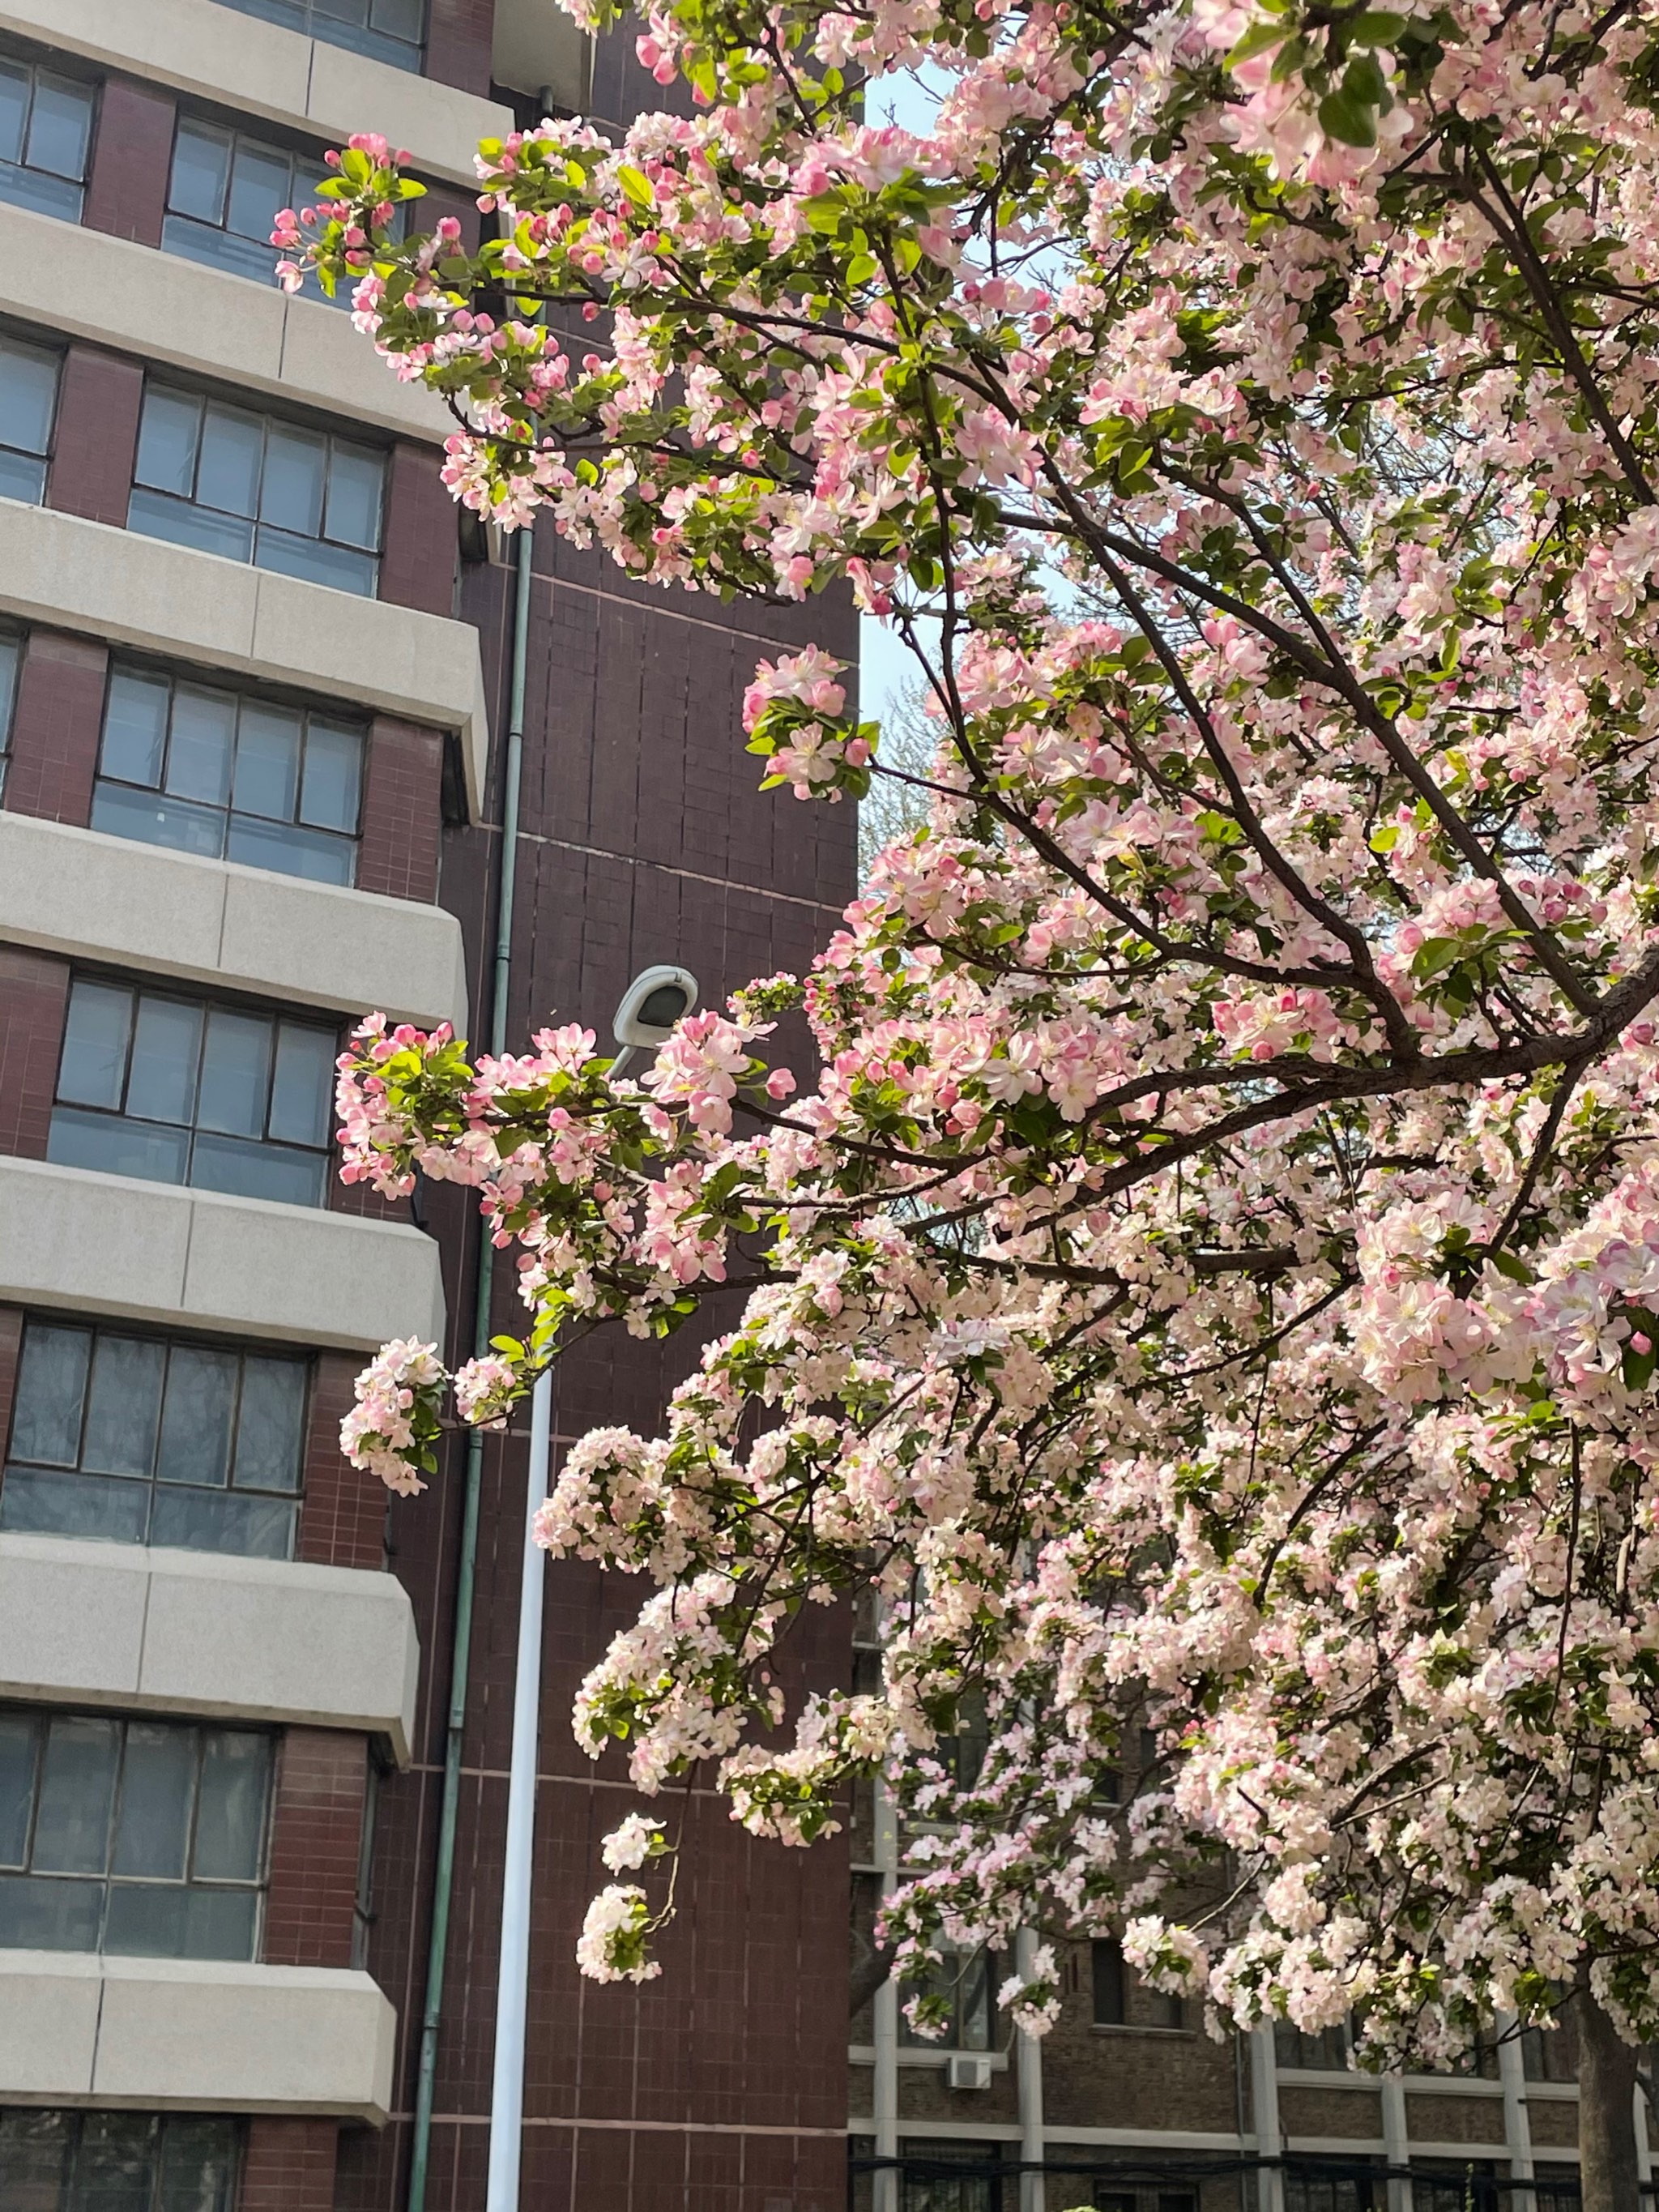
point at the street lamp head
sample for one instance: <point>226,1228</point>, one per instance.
<point>655,999</point>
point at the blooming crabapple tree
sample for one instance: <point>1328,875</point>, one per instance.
<point>1211,1285</point>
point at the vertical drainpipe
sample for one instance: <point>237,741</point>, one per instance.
<point>884,2192</point>
<point>466,1567</point>
<point>1027,2057</point>
<point>1264,2111</point>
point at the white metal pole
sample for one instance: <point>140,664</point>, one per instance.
<point>506,2096</point>
<point>1027,2057</point>
<point>1264,2106</point>
<point>1397,2145</point>
<point>1517,2121</point>
<point>885,2183</point>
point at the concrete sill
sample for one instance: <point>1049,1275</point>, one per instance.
<point>200,1633</point>
<point>163,1252</point>
<point>81,892</point>
<point>189,2035</point>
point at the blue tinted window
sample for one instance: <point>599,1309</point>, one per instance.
<point>29,399</point>
<point>223,195</point>
<point>46,132</point>
<point>155,1440</point>
<point>143,1836</point>
<point>175,1090</point>
<point>227,775</point>
<point>253,487</point>
<point>390,30</point>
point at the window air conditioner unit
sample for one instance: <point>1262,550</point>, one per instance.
<point>966,2069</point>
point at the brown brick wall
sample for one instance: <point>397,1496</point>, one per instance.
<point>343,1514</point>
<point>417,568</point>
<point>56,727</point>
<point>33,992</point>
<point>97,437</point>
<point>1430,2118</point>
<point>132,155</point>
<point>458,37</point>
<point>288,2166</point>
<point>315,1836</point>
<point>402,818</point>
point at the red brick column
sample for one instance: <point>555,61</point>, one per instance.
<point>459,34</point>
<point>57,725</point>
<point>132,159</point>
<point>288,2166</point>
<point>402,821</point>
<point>33,994</point>
<point>343,1514</point>
<point>316,1834</point>
<point>422,536</point>
<point>99,397</point>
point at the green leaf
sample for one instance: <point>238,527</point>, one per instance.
<point>1260,39</point>
<point>1507,1264</point>
<point>1378,26</point>
<point>637,186</point>
<point>1348,119</point>
<point>1636,1368</point>
<point>1433,954</point>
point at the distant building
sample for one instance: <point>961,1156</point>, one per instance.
<point>1139,2110</point>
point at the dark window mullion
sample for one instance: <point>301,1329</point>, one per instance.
<point>253,521</point>
<point>81,1423</point>
<point>72,2162</point>
<point>39,1735</point>
<point>164,786</point>
<point>233,1447</point>
<point>273,1030</point>
<point>236,733</point>
<point>195,1087</point>
<point>126,1078</point>
<point>156,1446</point>
<point>195,1806</point>
<point>160,1413</point>
<point>116,1799</point>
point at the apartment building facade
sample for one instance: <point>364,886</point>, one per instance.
<point>255,680</point>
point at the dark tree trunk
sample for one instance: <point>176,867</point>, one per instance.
<point>1606,2122</point>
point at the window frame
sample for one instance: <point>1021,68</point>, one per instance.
<point>227,814</point>
<point>50,65</point>
<point>72,2194</point>
<point>971,1989</point>
<point>1295,2049</point>
<point>277,1016</point>
<point>261,534</point>
<point>13,640</point>
<point>11,343</point>
<point>1129,1983</point>
<point>229,124</point>
<point>154,1483</point>
<point>42,1717</point>
<point>315,22</point>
